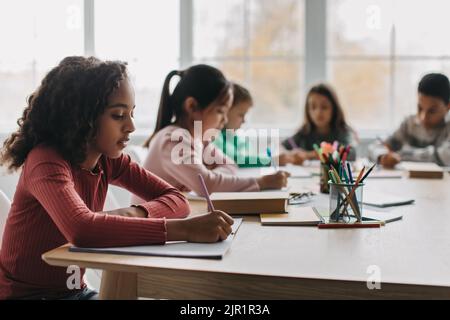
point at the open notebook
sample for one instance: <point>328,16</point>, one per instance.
<point>386,217</point>
<point>383,200</point>
<point>383,174</point>
<point>296,216</point>
<point>173,249</point>
<point>309,216</point>
<point>368,215</point>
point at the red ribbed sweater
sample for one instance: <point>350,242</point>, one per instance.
<point>56,202</point>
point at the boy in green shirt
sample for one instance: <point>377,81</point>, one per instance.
<point>237,147</point>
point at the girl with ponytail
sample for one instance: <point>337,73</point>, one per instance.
<point>202,97</point>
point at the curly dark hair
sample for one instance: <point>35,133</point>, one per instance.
<point>63,111</point>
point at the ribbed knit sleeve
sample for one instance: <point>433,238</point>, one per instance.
<point>51,183</point>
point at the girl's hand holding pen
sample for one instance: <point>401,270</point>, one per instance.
<point>277,180</point>
<point>210,227</point>
<point>389,160</point>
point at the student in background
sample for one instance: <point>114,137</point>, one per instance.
<point>203,96</point>
<point>237,147</point>
<point>69,148</point>
<point>324,120</point>
<point>424,136</point>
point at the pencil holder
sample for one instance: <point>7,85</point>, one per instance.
<point>324,187</point>
<point>346,202</point>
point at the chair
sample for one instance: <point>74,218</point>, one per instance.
<point>111,202</point>
<point>137,153</point>
<point>93,277</point>
<point>8,182</point>
<point>5,205</point>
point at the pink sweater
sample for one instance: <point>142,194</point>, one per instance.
<point>56,203</point>
<point>178,159</point>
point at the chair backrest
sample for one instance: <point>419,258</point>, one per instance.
<point>5,205</point>
<point>137,153</point>
<point>111,202</point>
<point>8,182</point>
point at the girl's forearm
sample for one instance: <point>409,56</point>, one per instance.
<point>132,212</point>
<point>176,229</point>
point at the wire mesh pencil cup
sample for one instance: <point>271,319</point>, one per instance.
<point>345,202</point>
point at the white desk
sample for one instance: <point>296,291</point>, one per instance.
<point>413,256</point>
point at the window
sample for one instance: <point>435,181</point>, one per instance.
<point>258,43</point>
<point>421,47</point>
<point>34,39</point>
<point>146,35</point>
<point>377,52</point>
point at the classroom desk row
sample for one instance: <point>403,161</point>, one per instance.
<point>411,257</point>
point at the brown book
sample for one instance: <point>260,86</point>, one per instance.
<point>427,170</point>
<point>250,202</point>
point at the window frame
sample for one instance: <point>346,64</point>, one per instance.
<point>316,56</point>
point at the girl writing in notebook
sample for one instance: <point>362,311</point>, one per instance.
<point>199,104</point>
<point>237,147</point>
<point>69,148</point>
<point>323,121</point>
